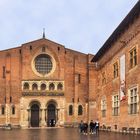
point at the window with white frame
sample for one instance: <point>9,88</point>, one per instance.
<point>133,100</point>
<point>115,105</point>
<point>103,107</point>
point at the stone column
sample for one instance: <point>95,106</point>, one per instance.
<point>86,111</point>
<point>46,116</point>
<point>39,86</point>
<point>43,122</point>
<point>30,86</point>
<point>7,111</point>
<point>8,88</point>
<point>57,117</point>
<point>29,117</point>
<point>76,98</point>
<point>55,84</point>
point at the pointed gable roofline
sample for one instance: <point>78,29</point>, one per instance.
<point>132,15</point>
<point>42,39</point>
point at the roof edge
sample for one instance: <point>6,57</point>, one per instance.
<point>132,15</point>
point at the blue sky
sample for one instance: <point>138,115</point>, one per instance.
<point>82,25</point>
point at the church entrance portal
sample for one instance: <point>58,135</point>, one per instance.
<point>51,115</point>
<point>35,115</point>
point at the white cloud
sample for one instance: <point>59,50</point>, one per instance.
<point>79,24</point>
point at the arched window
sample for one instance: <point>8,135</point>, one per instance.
<point>43,86</point>
<point>51,86</point>
<point>34,86</point>
<point>59,86</point>
<point>80,110</point>
<point>26,86</point>
<point>70,110</point>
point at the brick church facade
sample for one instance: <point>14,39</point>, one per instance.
<point>43,83</point>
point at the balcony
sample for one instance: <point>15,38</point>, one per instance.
<point>42,88</point>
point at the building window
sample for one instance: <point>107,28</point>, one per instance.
<point>80,110</point>
<point>43,64</point>
<point>10,99</point>
<point>59,86</point>
<point>34,86</point>
<point>5,99</point>
<point>30,47</point>
<point>133,100</point>
<point>13,110</point>
<point>2,110</point>
<point>133,58</point>
<point>26,86</point>
<point>115,105</point>
<point>43,49</point>
<point>58,48</point>
<point>4,70</point>
<point>115,70</point>
<point>73,100</point>
<point>103,107</point>
<point>43,87</point>
<point>51,86</point>
<point>20,51</point>
<point>70,110</point>
<point>103,78</point>
<point>79,78</point>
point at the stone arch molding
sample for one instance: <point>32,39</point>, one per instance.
<point>52,101</point>
<point>34,101</point>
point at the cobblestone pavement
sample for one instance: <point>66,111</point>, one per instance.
<point>61,134</point>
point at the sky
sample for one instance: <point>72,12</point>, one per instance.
<point>81,25</point>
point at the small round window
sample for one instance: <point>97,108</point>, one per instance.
<point>43,64</point>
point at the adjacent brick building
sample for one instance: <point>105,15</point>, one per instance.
<point>43,83</point>
<point>117,68</point>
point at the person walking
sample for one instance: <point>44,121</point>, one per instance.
<point>85,128</point>
<point>81,127</point>
<point>97,127</point>
<point>91,125</point>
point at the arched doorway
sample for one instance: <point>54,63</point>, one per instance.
<point>35,115</point>
<point>51,114</point>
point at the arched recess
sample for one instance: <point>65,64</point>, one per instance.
<point>51,113</point>
<point>34,114</point>
<point>34,86</point>
<point>60,86</point>
<point>80,110</point>
<point>26,86</point>
<point>43,86</point>
<point>51,86</point>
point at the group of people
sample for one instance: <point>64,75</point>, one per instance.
<point>93,127</point>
